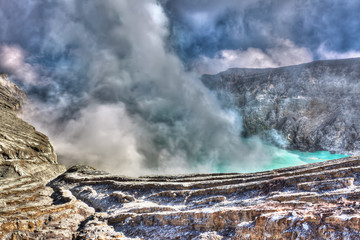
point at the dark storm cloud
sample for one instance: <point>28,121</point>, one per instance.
<point>205,27</point>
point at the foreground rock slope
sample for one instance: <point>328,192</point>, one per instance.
<point>27,163</point>
<point>313,106</point>
<point>39,200</point>
<point>316,201</point>
<point>19,140</point>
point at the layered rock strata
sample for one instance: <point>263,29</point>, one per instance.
<point>313,106</point>
<point>27,163</point>
<point>18,139</point>
<point>315,201</point>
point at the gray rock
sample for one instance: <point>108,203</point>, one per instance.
<point>18,139</point>
<point>314,106</point>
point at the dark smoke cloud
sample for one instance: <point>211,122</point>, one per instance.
<point>111,93</point>
<point>207,27</point>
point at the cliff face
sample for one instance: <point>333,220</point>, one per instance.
<point>19,141</point>
<point>313,106</point>
<point>27,163</point>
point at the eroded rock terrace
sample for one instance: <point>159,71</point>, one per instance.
<point>316,201</point>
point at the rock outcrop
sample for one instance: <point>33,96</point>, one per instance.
<point>19,140</point>
<point>27,163</point>
<point>316,201</point>
<point>314,106</point>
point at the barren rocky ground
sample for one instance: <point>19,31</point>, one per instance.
<point>41,200</point>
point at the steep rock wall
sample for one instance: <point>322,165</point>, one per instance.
<point>18,139</point>
<point>314,106</point>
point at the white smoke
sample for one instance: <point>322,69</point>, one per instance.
<point>325,53</point>
<point>12,61</point>
<point>125,103</point>
<point>286,53</point>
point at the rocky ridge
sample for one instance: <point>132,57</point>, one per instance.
<point>311,107</point>
<point>27,163</point>
<point>18,139</point>
<point>316,201</point>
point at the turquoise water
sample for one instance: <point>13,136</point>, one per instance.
<point>284,158</point>
<point>278,158</point>
<point>294,158</point>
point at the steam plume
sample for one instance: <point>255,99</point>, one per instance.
<point>111,93</point>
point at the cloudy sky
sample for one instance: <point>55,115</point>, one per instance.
<point>115,83</point>
<point>262,33</point>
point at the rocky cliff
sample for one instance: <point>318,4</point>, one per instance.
<point>39,200</point>
<point>27,163</point>
<point>20,143</point>
<point>313,106</point>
